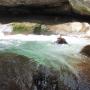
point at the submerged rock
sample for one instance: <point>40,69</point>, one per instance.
<point>86,50</point>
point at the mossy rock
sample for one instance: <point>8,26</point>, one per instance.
<point>29,28</point>
<point>23,27</point>
<point>40,29</point>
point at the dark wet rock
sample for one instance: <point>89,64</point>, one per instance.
<point>86,50</point>
<point>18,72</point>
<point>15,72</point>
<point>48,79</point>
<point>61,40</point>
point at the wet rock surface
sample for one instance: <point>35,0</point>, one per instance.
<point>86,50</point>
<point>21,73</point>
<point>61,40</point>
<point>15,72</point>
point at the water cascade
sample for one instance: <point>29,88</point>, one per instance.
<point>50,56</point>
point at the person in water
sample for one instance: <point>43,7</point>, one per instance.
<point>61,40</point>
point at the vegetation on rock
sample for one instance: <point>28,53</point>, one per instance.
<point>28,28</point>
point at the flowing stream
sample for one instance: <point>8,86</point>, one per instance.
<point>45,51</point>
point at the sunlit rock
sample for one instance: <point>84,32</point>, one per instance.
<point>88,33</point>
<point>81,6</point>
<point>36,28</point>
<point>70,27</point>
<point>76,26</point>
<point>86,50</point>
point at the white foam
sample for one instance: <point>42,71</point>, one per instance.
<point>51,38</point>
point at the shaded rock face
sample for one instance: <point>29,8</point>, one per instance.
<point>15,72</point>
<point>31,2</point>
<point>86,50</point>
<point>34,6</point>
<point>45,6</point>
<point>48,79</point>
<point>18,72</point>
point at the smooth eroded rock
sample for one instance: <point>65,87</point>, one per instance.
<point>81,6</point>
<point>86,50</point>
<point>18,72</point>
<point>15,72</point>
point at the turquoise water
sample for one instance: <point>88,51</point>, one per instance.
<point>45,52</point>
<point>63,58</point>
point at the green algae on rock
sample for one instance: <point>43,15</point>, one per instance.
<point>29,28</point>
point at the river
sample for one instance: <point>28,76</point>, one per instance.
<point>45,51</point>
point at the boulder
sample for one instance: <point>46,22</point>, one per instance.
<point>86,50</point>
<point>15,72</point>
<point>18,72</point>
<point>70,27</point>
<point>61,40</point>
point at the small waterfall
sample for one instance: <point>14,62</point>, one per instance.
<point>45,51</point>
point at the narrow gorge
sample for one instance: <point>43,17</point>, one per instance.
<point>44,45</point>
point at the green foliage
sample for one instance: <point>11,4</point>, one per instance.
<point>27,28</point>
<point>22,27</point>
<point>37,29</point>
<point>40,29</point>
